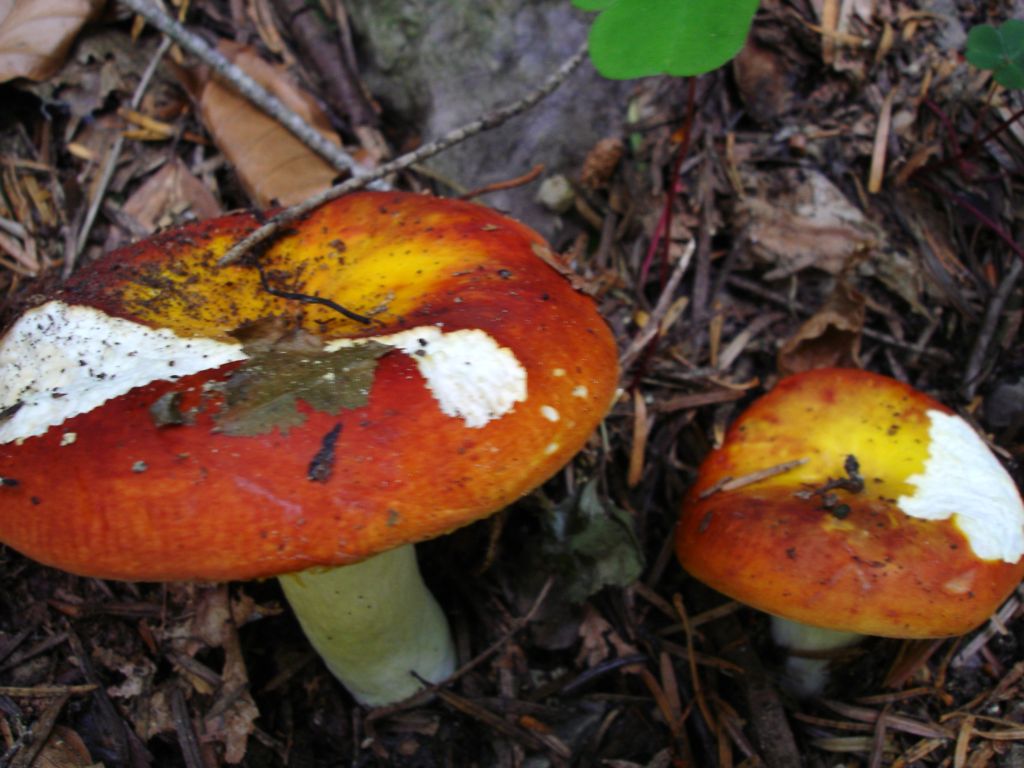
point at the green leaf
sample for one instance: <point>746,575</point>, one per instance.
<point>637,38</point>
<point>1000,49</point>
<point>262,394</point>
<point>593,544</point>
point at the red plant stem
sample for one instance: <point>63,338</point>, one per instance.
<point>663,231</point>
<point>989,222</point>
<point>983,218</point>
<point>958,155</point>
<point>659,229</point>
<point>951,135</point>
<point>1003,125</point>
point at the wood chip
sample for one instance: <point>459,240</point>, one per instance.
<point>641,429</point>
<point>878,151</point>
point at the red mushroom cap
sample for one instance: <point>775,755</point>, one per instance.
<point>125,457</point>
<point>920,534</point>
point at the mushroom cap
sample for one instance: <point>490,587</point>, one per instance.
<point>929,548</point>
<point>119,461</point>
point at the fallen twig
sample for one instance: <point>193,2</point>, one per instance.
<point>45,691</point>
<point>996,626</point>
<point>983,341</point>
<point>187,739</point>
<point>536,741</point>
<point>430,690</point>
<point>247,87</point>
<point>894,722</point>
<point>518,181</point>
<point>759,290</point>
<point>665,301</point>
<point>768,723</point>
<point>495,118</point>
<point>698,691</point>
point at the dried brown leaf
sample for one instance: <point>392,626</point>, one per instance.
<point>168,195</point>
<point>137,672</point>
<point>270,162</point>
<point>598,639</point>
<point>233,726</point>
<point>830,337</point>
<point>232,716</point>
<point>35,35</point>
<point>106,62</point>
<point>151,715</point>
<point>902,275</point>
<point>244,609</point>
<point>63,749</point>
<point>798,219</point>
<point>763,82</point>
<point>212,619</point>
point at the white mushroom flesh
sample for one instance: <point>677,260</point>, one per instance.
<point>964,481</point>
<point>59,360</point>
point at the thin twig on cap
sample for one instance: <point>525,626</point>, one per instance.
<point>495,118</point>
<point>732,483</point>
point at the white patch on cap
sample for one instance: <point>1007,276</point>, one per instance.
<point>549,413</point>
<point>963,480</point>
<point>471,376</point>
<point>58,361</point>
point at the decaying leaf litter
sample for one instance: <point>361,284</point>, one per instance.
<point>847,196</point>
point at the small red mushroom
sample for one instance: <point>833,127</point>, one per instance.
<point>394,367</point>
<point>885,514</point>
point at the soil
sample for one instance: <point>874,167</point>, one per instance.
<point>845,192</point>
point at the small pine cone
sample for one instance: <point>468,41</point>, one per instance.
<point>601,162</point>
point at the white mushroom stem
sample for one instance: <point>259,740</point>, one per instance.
<point>374,624</point>
<point>808,657</point>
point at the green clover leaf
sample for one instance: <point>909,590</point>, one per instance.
<point>637,38</point>
<point>1000,49</point>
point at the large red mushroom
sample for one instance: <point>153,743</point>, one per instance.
<point>394,367</point>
